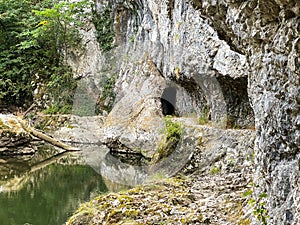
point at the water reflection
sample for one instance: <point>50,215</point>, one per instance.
<point>113,169</point>
<point>48,187</point>
<point>119,172</point>
<point>49,195</point>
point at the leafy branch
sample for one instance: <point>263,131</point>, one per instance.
<point>34,37</point>
<point>258,204</point>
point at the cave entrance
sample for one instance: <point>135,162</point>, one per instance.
<point>239,111</point>
<point>168,101</point>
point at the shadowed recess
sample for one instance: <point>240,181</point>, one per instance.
<point>239,111</point>
<point>168,101</point>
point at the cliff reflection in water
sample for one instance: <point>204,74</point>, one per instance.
<point>46,190</point>
<point>115,172</point>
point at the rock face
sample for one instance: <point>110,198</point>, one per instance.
<point>166,49</point>
<point>95,72</point>
<point>188,51</point>
<point>268,32</point>
<point>80,130</point>
<point>234,62</point>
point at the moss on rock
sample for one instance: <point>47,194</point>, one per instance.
<point>171,136</point>
<point>166,202</point>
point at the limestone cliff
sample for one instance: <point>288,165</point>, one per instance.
<point>234,62</point>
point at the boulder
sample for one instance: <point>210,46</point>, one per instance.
<point>135,122</point>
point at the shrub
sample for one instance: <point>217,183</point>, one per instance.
<point>171,136</point>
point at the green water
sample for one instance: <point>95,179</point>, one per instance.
<point>45,189</point>
<point>50,195</point>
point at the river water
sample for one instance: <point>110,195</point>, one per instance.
<point>45,189</point>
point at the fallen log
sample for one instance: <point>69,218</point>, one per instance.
<point>46,137</point>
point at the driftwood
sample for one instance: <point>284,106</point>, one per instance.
<point>28,110</point>
<point>46,137</point>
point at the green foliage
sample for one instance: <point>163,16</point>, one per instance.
<point>204,118</point>
<point>14,65</point>
<point>58,108</point>
<point>107,98</point>
<point>34,35</point>
<point>11,20</point>
<point>258,204</point>
<point>172,130</point>
<point>104,26</point>
<point>131,39</point>
<point>171,136</point>
<point>215,169</point>
<point>61,88</point>
<point>57,26</point>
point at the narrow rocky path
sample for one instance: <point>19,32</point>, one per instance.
<point>208,190</point>
<point>220,197</point>
<point>221,170</point>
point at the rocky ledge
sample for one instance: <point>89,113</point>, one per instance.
<point>207,190</point>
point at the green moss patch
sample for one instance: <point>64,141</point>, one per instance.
<point>171,136</point>
<point>166,202</point>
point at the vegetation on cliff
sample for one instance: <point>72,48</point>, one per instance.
<point>104,27</point>
<point>171,136</point>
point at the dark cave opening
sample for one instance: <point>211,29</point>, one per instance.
<point>239,111</point>
<point>168,101</point>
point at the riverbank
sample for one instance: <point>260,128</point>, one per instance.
<point>18,136</point>
<point>208,190</point>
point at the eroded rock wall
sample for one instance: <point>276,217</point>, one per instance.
<point>186,48</point>
<point>239,60</point>
<point>268,33</point>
